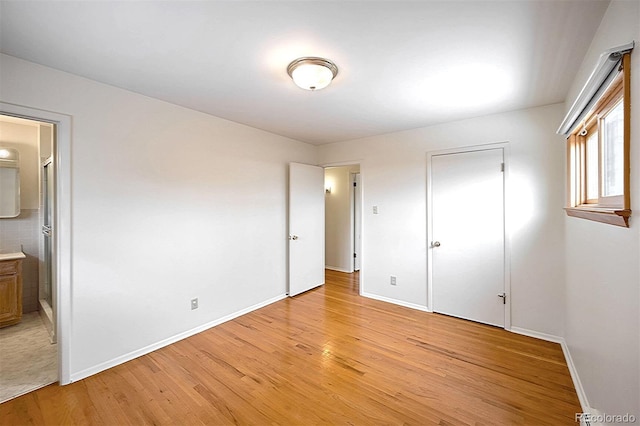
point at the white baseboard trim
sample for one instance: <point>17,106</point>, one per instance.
<point>335,268</point>
<point>537,335</point>
<point>180,336</point>
<point>396,302</point>
<point>582,396</point>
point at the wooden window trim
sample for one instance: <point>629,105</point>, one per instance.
<point>576,182</point>
<point>583,162</point>
<point>601,214</point>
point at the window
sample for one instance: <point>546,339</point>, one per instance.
<point>598,155</point>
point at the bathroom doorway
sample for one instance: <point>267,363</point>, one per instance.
<point>343,218</point>
<point>28,348</point>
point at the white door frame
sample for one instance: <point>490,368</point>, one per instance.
<point>356,219</point>
<point>362,226</point>
<point>507,234</point>
<point>62,226</point>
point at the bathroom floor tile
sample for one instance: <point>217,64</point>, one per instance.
<point>28,360</point>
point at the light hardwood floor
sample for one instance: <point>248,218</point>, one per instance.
<point>327,356</point>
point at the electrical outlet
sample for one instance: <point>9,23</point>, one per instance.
<point>393,280</point>
<point>375,209</point>
<point>194,303</point>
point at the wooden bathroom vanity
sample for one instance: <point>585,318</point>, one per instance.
<point>10,288</point>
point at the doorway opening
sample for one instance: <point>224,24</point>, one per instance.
<point>28,345</point>
<point>343,219</point>
<point>60,225</point>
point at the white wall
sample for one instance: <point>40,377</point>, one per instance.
<point>603,280</point>
<point>339,218</point>
<point>24,138</point>
<point>167,204</point>
<point>393,170</point>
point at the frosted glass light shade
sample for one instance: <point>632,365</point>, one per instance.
<point>312,77</point>
<point>9,156</point>
<point>312,73</point>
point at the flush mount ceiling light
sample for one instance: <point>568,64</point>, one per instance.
<point>312,73</point>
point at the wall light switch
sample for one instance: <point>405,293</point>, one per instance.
<point>375,209</point>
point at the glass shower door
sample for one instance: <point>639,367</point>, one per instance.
<point>48,289</point>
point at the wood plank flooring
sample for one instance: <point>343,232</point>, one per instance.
<point>327,356</point>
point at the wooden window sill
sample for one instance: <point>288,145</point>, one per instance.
<point>618,217</point>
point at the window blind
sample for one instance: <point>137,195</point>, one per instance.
<point>603,73</point>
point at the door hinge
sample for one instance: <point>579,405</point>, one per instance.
<point>355,255</point>
<point>355,183</point>
<point>502,167</point>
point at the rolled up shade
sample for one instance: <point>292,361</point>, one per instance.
<point>600,78</point>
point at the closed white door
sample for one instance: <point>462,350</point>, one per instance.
<point>467,241</point>
<point>306,227</point>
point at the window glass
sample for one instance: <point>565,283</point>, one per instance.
<point>612,128</point>
<point>592,166</point>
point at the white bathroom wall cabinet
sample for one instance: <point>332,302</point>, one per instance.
<point>9,183</point>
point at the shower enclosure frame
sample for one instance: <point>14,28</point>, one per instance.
<point>47,297</point>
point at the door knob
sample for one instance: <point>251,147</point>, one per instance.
<point>435,244</point>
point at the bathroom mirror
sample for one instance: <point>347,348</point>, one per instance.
<point>9,183</point>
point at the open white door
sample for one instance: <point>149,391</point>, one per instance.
<point>306,227</point>
<point>468,237</point>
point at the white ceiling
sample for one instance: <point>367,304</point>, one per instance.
<point>401,65</point>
